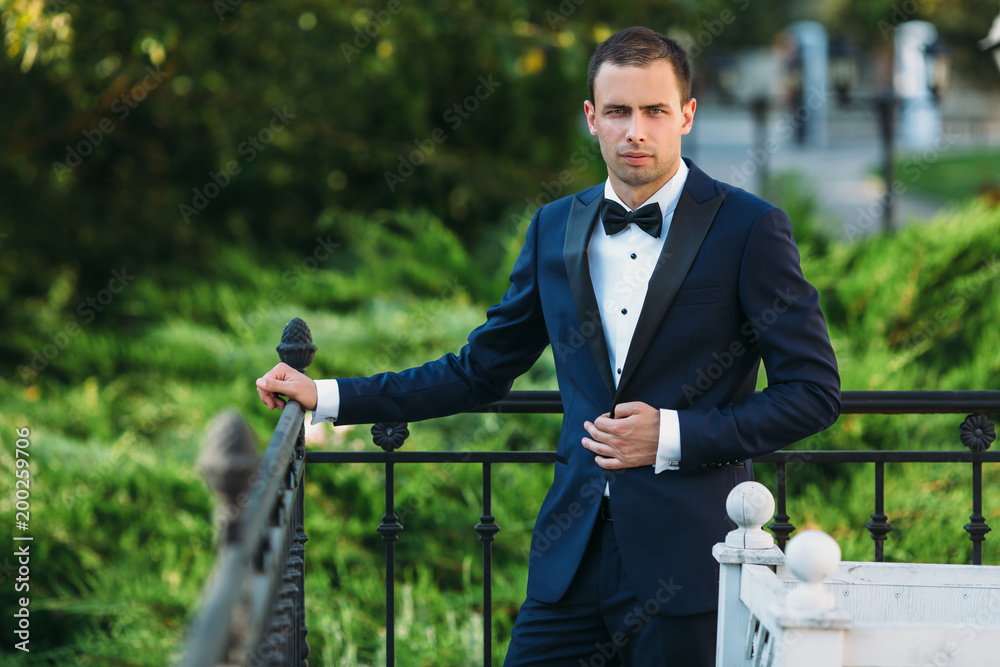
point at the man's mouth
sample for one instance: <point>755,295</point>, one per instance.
<point>636,157</point>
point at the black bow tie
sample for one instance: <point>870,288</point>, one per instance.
<point>616,218</point>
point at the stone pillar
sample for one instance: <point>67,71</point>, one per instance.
<point>811,107</point>
<point>919,115</point>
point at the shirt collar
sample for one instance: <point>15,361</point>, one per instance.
<point>667,196</point>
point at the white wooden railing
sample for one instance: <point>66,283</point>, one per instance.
<point>806,608</point>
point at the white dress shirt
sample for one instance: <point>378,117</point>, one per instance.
<point>620,268</point>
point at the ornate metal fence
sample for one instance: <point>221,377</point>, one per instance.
<point>253,609</point>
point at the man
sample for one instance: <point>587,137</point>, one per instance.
<point>658,322</point>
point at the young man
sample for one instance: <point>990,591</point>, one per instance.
<point>661,291</point>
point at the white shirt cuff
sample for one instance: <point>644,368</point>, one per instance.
<point>327,402</point>
<point>668,450</point>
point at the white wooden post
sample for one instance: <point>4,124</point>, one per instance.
<point>812,626</point>
<point>749,505</point>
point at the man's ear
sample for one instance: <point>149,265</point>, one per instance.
<point>687,110</point>
<point>590,111</point>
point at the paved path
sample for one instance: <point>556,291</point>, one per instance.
<point>845,177</point>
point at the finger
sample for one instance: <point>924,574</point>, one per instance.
<point>609,463</point>
<point>623,410</point>
<point>268,390</point>
<point>597,433</point>
<point>607,425</point>
<point>273,385</point>
<point>270,400</point>
<point>265,398</point>
<point>599,448</point>
<point>281,371</point>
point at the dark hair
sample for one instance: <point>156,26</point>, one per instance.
<point>640,47</point>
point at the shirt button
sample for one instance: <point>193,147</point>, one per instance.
<point>619,371</point>
<point>632,255</point>
<point>624,311</point>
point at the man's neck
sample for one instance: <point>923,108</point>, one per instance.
<point>634,197</point>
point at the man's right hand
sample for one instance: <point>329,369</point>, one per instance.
<point>283,379</point>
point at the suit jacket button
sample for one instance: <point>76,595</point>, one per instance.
<point>703,466</point>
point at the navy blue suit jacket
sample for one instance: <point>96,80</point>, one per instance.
<point>727,293</point>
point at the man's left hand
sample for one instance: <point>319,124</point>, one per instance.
<point>629,440</point>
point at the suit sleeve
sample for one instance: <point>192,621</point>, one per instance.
<point>504,347</point>
<point>784,320</point>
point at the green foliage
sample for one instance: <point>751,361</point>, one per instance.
<point>280,126</point>
<point>913,311</point>
<point>125,536</point>
<point>154,136</point>
<point>956,175</point>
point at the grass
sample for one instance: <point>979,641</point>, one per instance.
<point>954,174</point>
<point>122,520</point>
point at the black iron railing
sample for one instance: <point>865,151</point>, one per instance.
<point>977,432</point>
<point>253,608</point>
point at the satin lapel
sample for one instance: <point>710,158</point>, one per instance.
<point>582,218</point>
<point>688,230</point>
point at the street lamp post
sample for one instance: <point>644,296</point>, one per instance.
<point>843,71</point>
<point>844,74</point>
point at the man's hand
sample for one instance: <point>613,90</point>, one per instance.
<point>283,379</point>
<point>627,441</point>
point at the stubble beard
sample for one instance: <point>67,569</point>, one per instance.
<point>638,177</point>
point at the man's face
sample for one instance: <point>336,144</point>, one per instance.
<point>638,118</point>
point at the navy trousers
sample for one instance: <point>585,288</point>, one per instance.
<point>601,623</point>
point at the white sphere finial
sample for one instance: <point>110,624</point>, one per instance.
<point>812,556</point>
<point>750,505</point>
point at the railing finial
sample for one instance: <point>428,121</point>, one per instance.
<point>812,556</point>
<point>750,505</point>
<point>296,348</point>
<point>228,461</point>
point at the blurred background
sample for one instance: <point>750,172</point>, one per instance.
<point>179,179</point>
